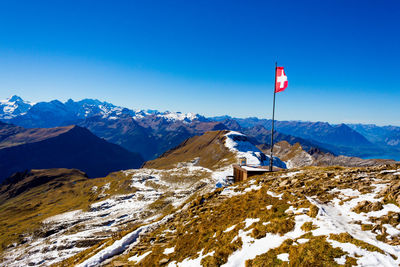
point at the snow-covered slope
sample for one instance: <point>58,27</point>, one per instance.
<point>73,231</point>
<point>240,144</point>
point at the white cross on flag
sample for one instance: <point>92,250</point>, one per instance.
<point>281,80</point>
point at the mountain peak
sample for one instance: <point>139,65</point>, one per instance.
<point>13,106</point>
<point>179,116</point>
<point>15,98</point>
<point>343,126</point>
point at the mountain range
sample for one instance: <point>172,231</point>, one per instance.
<point>179,208</point>
<point>151,132</point>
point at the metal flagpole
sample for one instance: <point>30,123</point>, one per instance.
<point>271,160</point>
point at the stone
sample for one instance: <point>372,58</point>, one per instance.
<point>119,264</point>
<point>376,206</point>
<point>284,183</point>
<point>163,261</point>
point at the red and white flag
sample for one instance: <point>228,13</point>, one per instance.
<point>281,80</point>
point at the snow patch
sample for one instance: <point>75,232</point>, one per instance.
<point>241,145</point>
<point>191,262</point>
<point>137,259</point>
<point>302,240</point>
<point>272,194</point>
<point>283,256</point>
<point>230,228</point>
<point>121,245</point>
<point>250,221</point>
<point>169,250</point>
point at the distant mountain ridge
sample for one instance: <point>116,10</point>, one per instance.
<point>321,132</point>
<point>360,140</point>
<point>62,147</point>
<point>56,113</point>
<point>151,132</point>
<point>387,135</point>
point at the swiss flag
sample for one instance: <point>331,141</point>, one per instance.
<point>281,80</point>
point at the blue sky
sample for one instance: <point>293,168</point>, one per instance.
<point>209,57</point>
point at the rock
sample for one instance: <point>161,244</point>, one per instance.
<point>375,228</point>
<point>328,174</point>
<point>163,261</point>
<point>290,212</point>
<point>119,264</point>
<point>284,183</point>
<point>383,229</point>
<point>376,206</point>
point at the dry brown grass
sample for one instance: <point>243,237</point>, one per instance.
<point>22,215</point>
<point>202,227</point>
<point>313,212</point>
<point>367,206</point>
<point>346,238</point>
<point>316,252</point>
<point>209,148</point>
<point>184,176</point>
<point>308,226</point>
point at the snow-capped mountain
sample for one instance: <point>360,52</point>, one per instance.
<point>13,106</point>
<point>168,115</point>
<point>56,113</point>
<point>91,107</point>
<point>179,116</point>
<point>126,127</point>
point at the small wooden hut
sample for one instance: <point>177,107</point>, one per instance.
<point>244,172</point>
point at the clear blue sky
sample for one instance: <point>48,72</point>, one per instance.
<point>342,58</point>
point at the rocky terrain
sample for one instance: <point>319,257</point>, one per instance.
<point>295,156</point>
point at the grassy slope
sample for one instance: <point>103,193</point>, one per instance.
<point>209,148</point>
<point>22,215</point>
<point>202,226</point>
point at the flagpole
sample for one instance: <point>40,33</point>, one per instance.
<point>272,129</point>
